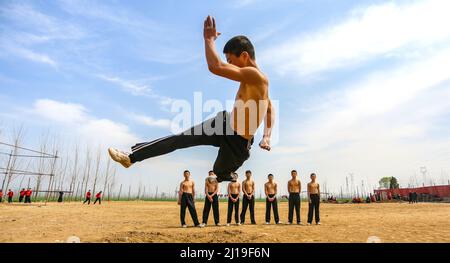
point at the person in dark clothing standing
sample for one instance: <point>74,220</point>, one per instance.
<point>248,199</point>
<point>314,200</point>
<point>294,189</point>
<point>98,197</point>
<point>211,199</point>
<point>271,189</point>
<point>60,198</point>
<point>186,200</point>
<point>1,195</point>
<point>88,198</point>
<point>10,196</point>
<point>234,190</point>
<point>21,195</point>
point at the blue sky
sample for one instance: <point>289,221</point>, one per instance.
<point>362,86</point>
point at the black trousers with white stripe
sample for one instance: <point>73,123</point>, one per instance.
<point>234,149</point>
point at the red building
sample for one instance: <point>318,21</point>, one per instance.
<point>441,191</point>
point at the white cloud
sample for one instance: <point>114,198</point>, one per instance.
<point>33,56</point>
<point>77,122</point>
<point>149,121</point>
<point>387,123</point>
<point>129,86</point>
<point>371,32</point>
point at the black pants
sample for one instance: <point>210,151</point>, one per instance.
<point>294,202</point>
<point>9,199</point>
<point>187,200</point>
<point>234,149</point>
<point>20,199</point>
<point>246,203</point>
<point>274,205</point>
<point>88,200</point>
<point>207,208</point>
<point>314,207</point>
<point>28,199</point>
<point>99,201</point>
<point>232,205</point>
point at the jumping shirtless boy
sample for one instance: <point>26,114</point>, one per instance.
<point>234,189</point>
<point>231,132</point>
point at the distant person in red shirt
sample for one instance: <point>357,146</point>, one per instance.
<point>21,195</point>
<point>1,195</point>
<point>98,197</point>
<point>88,198</point>
<point>28,193</point>
<point>10,196</point>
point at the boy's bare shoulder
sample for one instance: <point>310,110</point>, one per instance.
<point>256,74</point>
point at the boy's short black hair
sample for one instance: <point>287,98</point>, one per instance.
<point>211,171</point>
<point>293,171</point>
<point>312,174</point>
<point>270,175</point>
<point>248,172</point>
<point>239,44</point>
<point>186,171</point>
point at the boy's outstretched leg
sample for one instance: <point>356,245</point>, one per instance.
<point>202,134</point>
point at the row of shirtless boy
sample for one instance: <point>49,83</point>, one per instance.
<point>187,194</point>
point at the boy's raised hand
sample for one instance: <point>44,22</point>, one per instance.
<point>209,29</point>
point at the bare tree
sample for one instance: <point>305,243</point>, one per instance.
<point>97,168</point>
<point>14,163</point>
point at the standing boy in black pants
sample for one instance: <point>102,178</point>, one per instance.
<point>271,189</point>
<point>234,189</point>
<point>248,199</point>
<point>186,199</point>
<point>211,198</point>
<point>294,189</point>
<point>314,200</point>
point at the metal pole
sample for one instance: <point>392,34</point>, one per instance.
<point>50,181</point>
<point>7,168</point>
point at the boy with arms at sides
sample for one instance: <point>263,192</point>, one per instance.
<point>294,189</point>
<point>248,199</point>
<point>211,198</point>
<point>314,200</point>
<point>186,199</point>
<point>271,189</point>
<point>234,189</point>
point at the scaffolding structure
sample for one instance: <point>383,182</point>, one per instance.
<point>9,170</point>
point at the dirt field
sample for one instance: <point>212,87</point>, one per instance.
<point>139,221</point>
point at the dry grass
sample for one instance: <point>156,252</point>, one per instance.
<point>159,222</point>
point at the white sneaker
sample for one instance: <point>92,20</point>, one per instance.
<point>308,224</point>
<point>184,226</point>
<point>267,223</point>
<point>228,224</point>
<point>288,223</point>
<point>300,223</point>
<point>238,224</point>
<point>218,224</point>
<point>201,225</point>
<point>318,223</point>
<point>120,157</point>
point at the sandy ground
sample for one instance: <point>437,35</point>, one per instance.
<point>140,221</point>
